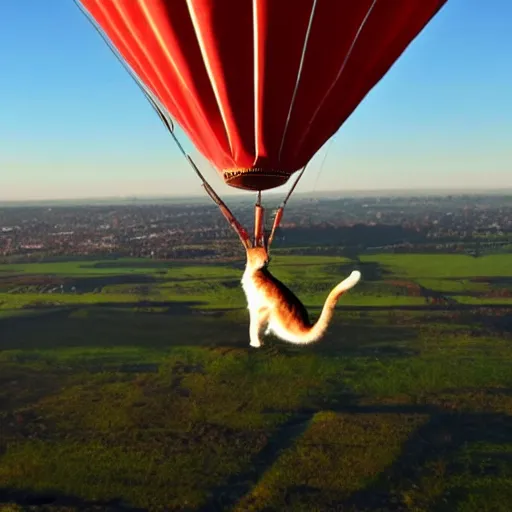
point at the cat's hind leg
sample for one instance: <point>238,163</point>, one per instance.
<point>268,329</point>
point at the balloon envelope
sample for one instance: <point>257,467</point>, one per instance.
<point>260,85</point>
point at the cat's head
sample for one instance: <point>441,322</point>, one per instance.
<point>257,258</point>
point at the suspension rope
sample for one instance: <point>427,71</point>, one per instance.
<point>279,213</point>
<point>326,154</point>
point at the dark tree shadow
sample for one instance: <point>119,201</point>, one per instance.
<point>442,437</point>
<point>163,324</point>
<point>50,498</point>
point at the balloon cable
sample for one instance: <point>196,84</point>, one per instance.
<point>279,213</point>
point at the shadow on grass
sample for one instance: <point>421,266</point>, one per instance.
<point>439,441</point>
<point>139,324</point>
<point>100,325</point>
<point>371,271</point>
<point>430,452</point>
<point>433,451</point>
<point>30,498</point>
<point>84,284</point>
<point>492,320</point>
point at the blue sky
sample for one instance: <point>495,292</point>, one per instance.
<point>73,123</point>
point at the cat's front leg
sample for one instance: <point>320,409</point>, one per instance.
<point>257,320</point>
<point>254,334</point>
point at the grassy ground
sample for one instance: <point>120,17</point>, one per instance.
<point>144,395</point>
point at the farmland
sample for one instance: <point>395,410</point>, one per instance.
<point>128,384</point>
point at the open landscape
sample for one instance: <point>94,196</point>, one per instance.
<point>128,383</point>
<point>370,136</point>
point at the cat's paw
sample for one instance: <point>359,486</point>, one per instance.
<point>255,344</point>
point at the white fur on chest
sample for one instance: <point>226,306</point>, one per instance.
<point>255,299</point>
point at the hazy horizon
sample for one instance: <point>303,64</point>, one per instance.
<point>74,126</point>
<point>319,194</point>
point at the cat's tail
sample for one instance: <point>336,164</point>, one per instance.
<point>316,331</point>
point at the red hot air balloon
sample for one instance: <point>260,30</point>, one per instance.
<point>260,85</point>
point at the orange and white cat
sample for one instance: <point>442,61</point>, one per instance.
<point>272,304</point>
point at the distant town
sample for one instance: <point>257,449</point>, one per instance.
<point>474,224</point>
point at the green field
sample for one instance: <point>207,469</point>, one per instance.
<point>130,385</point>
